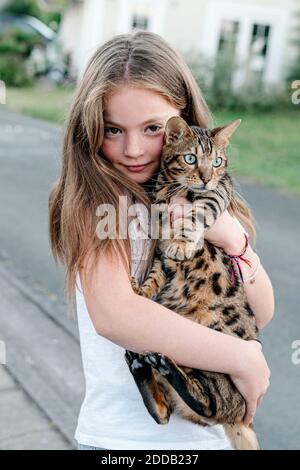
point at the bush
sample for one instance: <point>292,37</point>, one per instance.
<point>22,7</point>
<point>31,8</point>
<point>258,97</point>
<point>13,71</point>
<point>52,19</point>
<point>215,79</point>
<point>15,48</point>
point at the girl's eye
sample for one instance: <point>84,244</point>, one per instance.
<point>111,130</point>
<point>114,130</point>
<point>154,128</point>
<point>190,158</point>
<point>217,162</point>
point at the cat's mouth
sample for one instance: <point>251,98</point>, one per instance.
<point>200,188</point>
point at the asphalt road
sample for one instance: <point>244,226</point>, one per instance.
<point>29,156</point>
<point>29,163</point>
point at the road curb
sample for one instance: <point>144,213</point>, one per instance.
<point>42,353</point>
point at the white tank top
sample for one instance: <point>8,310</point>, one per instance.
<point>113,415</point>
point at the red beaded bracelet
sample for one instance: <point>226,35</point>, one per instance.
<point>235,261</point>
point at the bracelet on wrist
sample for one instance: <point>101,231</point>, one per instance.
<point>235,261</point>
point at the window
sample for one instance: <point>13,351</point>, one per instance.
<point>260,38</point>
<point>228,36</point>
<point>140,22</point>
<point>258,49</point>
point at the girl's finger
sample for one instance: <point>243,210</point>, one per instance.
<point>260,399</point>
<point>250,413</point>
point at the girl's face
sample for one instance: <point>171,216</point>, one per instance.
<point>134,121</point>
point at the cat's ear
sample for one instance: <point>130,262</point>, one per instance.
<point>176,130</point>
<point>221,135</point>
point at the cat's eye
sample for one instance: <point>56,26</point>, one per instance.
<point>217,162</point>
<point>190,158</point>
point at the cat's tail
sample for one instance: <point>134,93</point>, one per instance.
<point>241,436</point>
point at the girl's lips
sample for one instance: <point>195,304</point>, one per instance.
<point>136,168</point>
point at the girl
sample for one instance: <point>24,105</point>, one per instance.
<point>132,85</point>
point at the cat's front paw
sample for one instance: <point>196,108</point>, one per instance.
<point>134,361</point>
<point>159,362</point>
<point>180,250</point>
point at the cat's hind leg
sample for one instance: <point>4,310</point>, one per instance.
<point>153,396</point>
<point>192,392</point>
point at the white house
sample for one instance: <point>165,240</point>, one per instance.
<point>260,30</point>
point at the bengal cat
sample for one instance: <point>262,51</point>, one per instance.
<point>191,276</point>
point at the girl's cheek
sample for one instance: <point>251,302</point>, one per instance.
<point>104,147</point>
<point>157,147</point>
<point>110,148</point>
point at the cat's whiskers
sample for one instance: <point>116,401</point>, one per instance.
<point>176,191</point>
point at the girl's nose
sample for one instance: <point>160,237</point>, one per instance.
<point>133,147</point>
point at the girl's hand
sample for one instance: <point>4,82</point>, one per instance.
<point>226,233</point>
<point>253,380</point>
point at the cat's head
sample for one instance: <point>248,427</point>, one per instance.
<point>195,156</point>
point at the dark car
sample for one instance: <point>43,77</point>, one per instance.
<point>46,57</point>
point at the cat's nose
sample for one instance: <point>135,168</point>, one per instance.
<point>205,175</point>
<point>205,179</point>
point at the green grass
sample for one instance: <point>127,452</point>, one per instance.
<point>51,104</point>
<point>265,148</point>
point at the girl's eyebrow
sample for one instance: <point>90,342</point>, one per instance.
<point>155,119</point>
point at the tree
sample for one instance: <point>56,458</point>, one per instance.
<point>22,7</point>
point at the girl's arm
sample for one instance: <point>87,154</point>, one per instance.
<point>227,233</point>
<point>140,325</point>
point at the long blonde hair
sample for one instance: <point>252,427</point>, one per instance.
<point>142,59</point>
